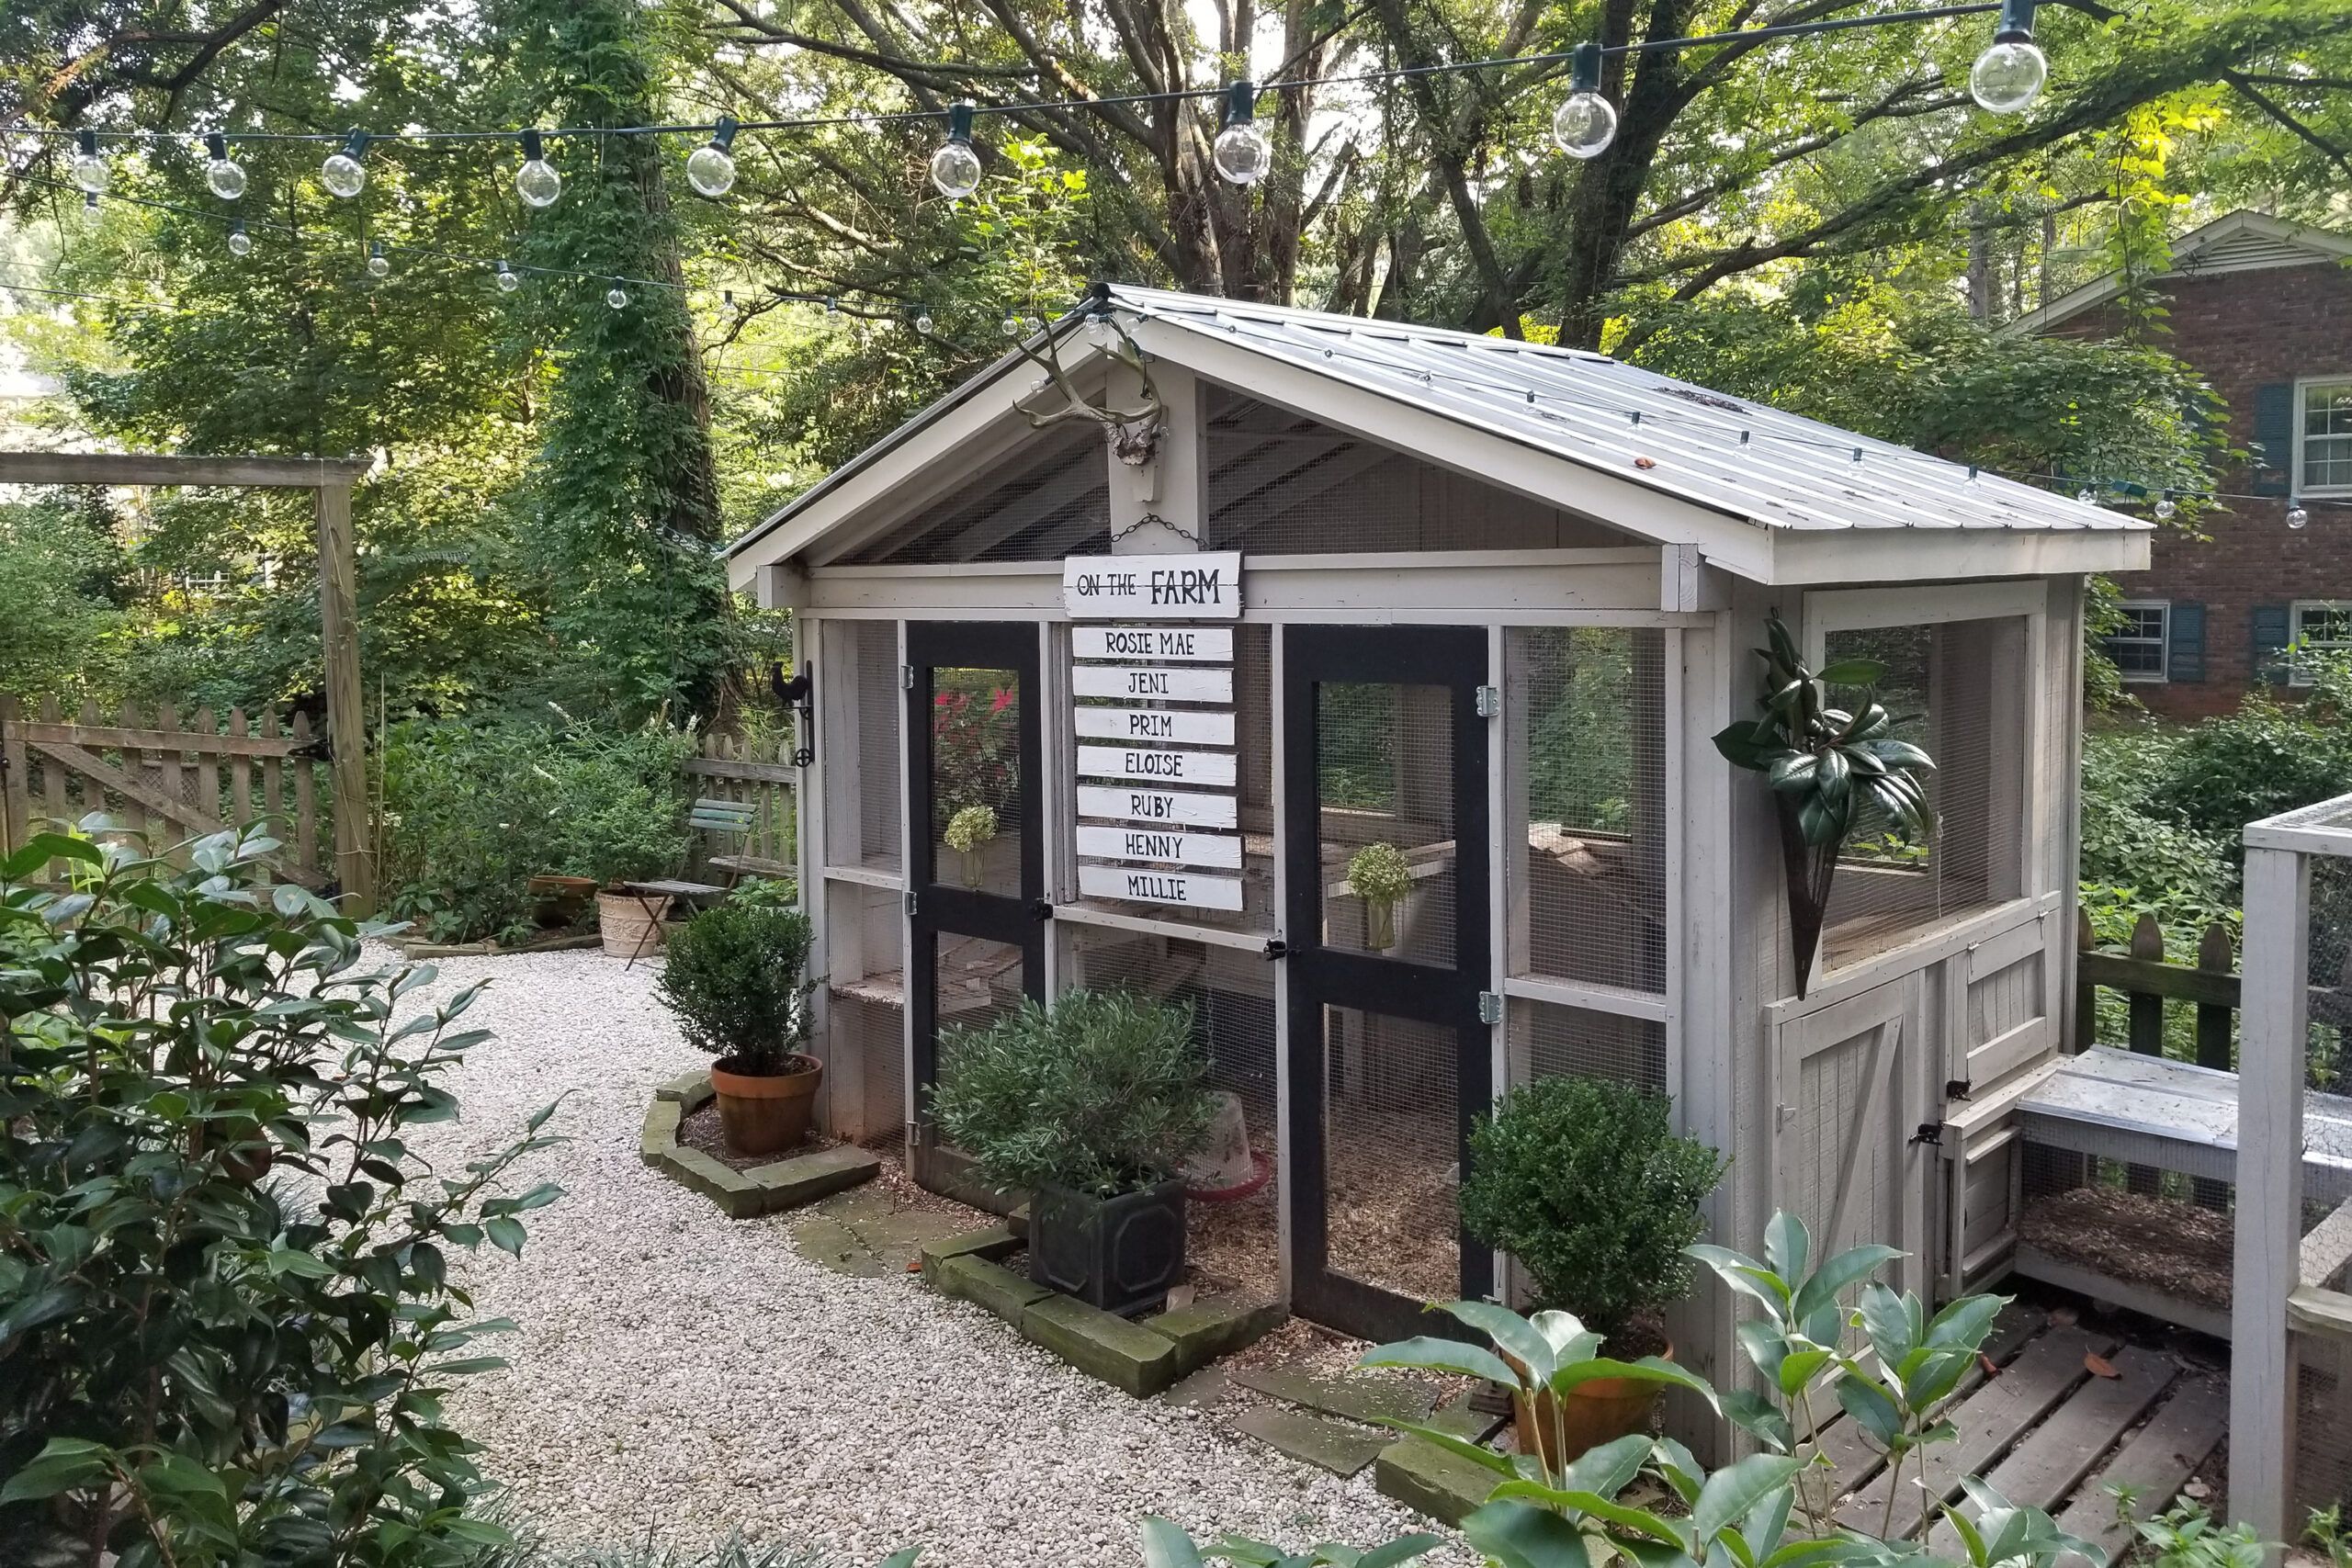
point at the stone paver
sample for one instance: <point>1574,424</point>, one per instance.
<point>1341,1446</point>
<point>1359,1396</point>
<point>1119,1352</point>
<point>1422,1475</point>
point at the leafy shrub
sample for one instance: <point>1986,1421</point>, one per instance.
<point>199,1367</point>
<point>734,979</point>
<point>1106,1093</point>
<point>1584,1182</point>
<point>2187,1535</point>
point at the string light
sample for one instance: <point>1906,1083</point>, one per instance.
<point>1584,123</point>
<point>2297,516</point>
<point>2164,509</point>
<point>89,210</point>
<point>343,173</point>
<point>1010,326</point>
<point>2009,75</point>
<point>240,243</point>
<point>710,168</point>
<point>923,323</point>
<point>2088,496</point>
<point>617,297</point>
<point>507,281</point>
<point>90,171</point>
<point>223,174</point>
<point>1241,152</point>
<point>955,167</point>
<point>378,263</point>
<point>537,182</point>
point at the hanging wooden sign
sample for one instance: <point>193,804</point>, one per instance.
<point>1171,808</point>
<point>1184,726</point>
<point>1205,586</point>
<point>1136,682</point>
<point>1212,645</point>
<point>1171,846</point>
<point>1143,885</point>
<point>1168,764</point>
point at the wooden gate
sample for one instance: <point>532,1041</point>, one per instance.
<point>1849,1108</point>
<point>167,779</point>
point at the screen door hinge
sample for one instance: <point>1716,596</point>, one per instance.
<point>1490,1006</point>
<point>1490,701</point>
<point>906,677</point>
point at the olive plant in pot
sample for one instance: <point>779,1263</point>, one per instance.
<point>734,979</point>
<point>1093,1107</point>
<point>1584,1182</point>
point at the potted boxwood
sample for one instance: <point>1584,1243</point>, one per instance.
<point>734,979</point>
<point>1584,1182</point>
<point>1093,1107</point>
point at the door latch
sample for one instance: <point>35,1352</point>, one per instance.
<point>1276,948</point>
<point>911,903</point>
<point>1930,1133</point>
<point>1041,908</point>
<point>1957,1088</point>
<point>906,677</point>
<point>1490,1006</point>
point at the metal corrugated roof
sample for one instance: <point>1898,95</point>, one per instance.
<point>1743,458</point>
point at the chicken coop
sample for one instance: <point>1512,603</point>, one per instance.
<point>1124,653</point>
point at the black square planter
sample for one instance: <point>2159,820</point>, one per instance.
<point>1120,1254</point>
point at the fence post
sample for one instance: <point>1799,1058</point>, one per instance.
<point>2085,993</point>
<point>354,867</point>
<point>15,778</point>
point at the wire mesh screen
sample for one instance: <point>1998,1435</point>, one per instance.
<point>976,783</point>
<point>1391,1152</point>
<point>1958,689</point>
<point>2123,1217</point>
<point>1384,764</point>
<point>1233,1238</point>
<point>1253,752</point>
<point>1548,1041</point>
<point>1587,708</point>
<point>1282,484</point>
<point>1050,499</point>
<point>978,982</point>
<point>866,1048</point>
<point>2329,955</point>
<point>864,828</point>
<point>2321,1460</point>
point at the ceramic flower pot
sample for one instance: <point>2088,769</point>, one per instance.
<point>763,1114</point>
<point>631,926</point>
<point>1586,1417</point>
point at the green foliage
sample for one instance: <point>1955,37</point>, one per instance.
<point>2264,759</point>
<point>1581,769</point>
<point>1105,1093</point>
<point>734,978</point>
<point>2186,1534</point>
<point>1380,871</point>
<point>1775,1507</point>
<point>1584,1183</point>
<point>61,581</point>
<point>1166,1546</point>
<point>2327,1531</point>
<point>200,1368</point>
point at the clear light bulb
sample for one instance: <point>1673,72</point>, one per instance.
<point>1010,326</point>
<point>1584,125</point>
<point>90,214</point>
<point>537,182</point>
<point>343,173</point>
<point>2088,496</point>
<point>507,281</point>
<point>1243,153</point>
<point>90,171</point>
<point>955,167</point>
<point>2164,509</point>
<point>2009,75</point>
<point>223,174</point>
<point>710,171</point>
<point>240,243</point>
<point>378,263</point>
<point>923,322</point>
<point>1098,331</point>
<point>2297,516</point>
<point>617,297</point>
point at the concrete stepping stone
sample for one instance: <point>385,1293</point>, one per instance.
<point>828,1243</point>
<point>1359,1396</point>
<point>1341,1446</point>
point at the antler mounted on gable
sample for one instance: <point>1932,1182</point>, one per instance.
<point>1134,432</point>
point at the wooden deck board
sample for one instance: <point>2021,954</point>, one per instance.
<point>2155,1461</point>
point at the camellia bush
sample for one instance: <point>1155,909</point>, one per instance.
<point>227,1321</point>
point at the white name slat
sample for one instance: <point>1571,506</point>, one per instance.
<point>1190,889</point>
<point>1207,644</point>
<point>1182,725</point>
<point>1171,845</point>
<point>1201,587</point>
<point>1168,764</point>
<point>1174,808</point>
<point>1173,685</point>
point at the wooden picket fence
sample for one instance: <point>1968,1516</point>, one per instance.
<point>168,777</point>
<point>756,773</point>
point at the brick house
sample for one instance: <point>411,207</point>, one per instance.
<point>2264,309</point>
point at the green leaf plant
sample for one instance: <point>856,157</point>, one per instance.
<point>226,1314</point>
<point>1826,1338</point>
<point>1822,762</point>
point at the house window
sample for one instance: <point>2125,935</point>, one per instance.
<point>2321,628</point>
<point>2323,436</point>
<point>2138,643</point>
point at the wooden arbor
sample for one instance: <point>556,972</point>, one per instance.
<point>330,480</point>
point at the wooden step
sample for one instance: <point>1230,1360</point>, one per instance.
<point>2049,1463</point>
<point>2155,1463</point>
<point>1989,1422</point>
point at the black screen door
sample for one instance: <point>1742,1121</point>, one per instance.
<point>976,870</point>
<point>1384,777</point>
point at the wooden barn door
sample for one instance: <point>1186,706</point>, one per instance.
<point>1846,1154</point>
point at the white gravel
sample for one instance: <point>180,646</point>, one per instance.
<point>681,1376</point>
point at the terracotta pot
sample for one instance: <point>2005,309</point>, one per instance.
<point>1588,1415</point>
<point>764,1114</point>
<point>561,900</point>
<point>628,931</point>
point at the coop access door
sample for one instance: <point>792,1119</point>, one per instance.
<point>975,867</point>
<point>1389,1061</point>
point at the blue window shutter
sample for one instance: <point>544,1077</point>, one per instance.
<point>2274,439</point>
<point>2272,628</point>
<point>2185,658</point>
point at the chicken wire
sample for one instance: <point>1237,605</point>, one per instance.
<point>1050,499</point>
<point>1549,1040</point>
<point>2321,1461</point>
<point>1253,733</point>
<point>1957,689</point>
<point>864,828</point>
<point>2155,1232</point>
<point>1587,708</point>
<point>1385,775</point>
<point>1392,1166</point>
<point>1232,1244</point>
<point>2322,1457</point>
<point>976,783</point>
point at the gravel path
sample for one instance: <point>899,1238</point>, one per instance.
<point>681,1376</point>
